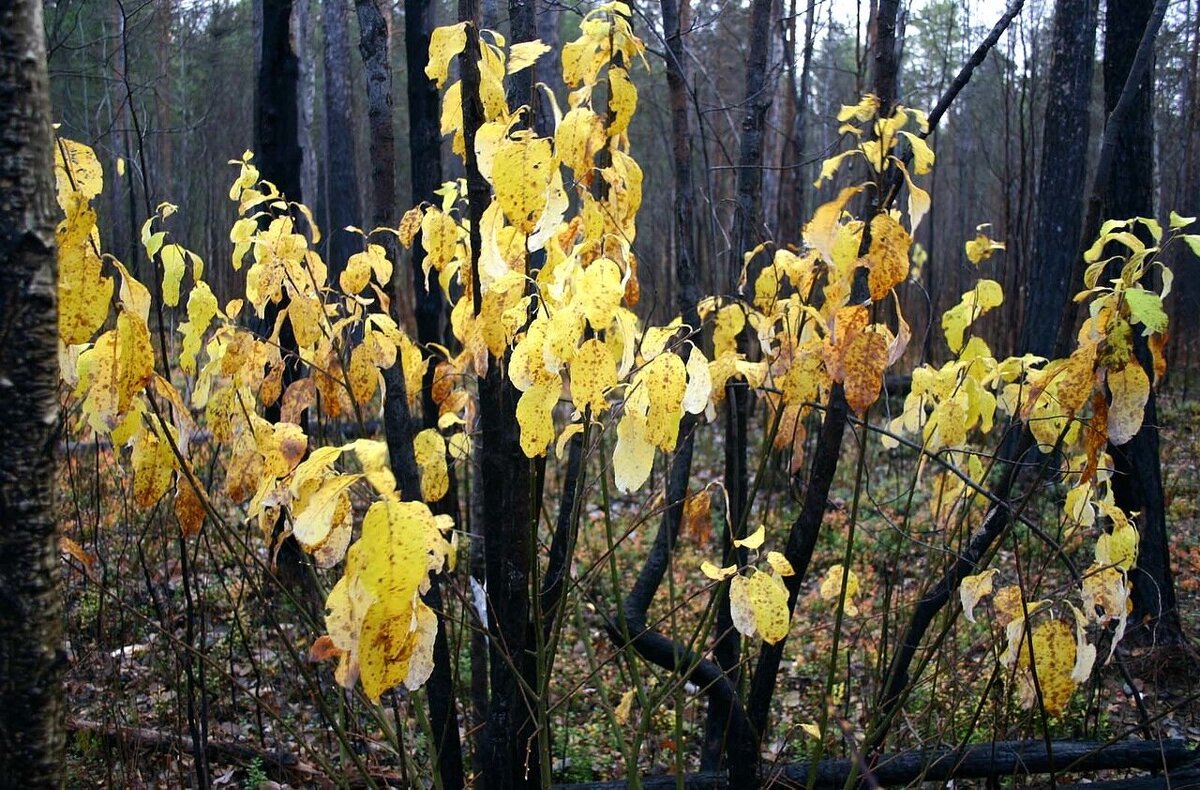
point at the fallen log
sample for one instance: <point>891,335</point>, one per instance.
<point>979,761</point>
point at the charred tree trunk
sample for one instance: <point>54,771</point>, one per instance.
<point>32,737</point>
<point>747,224</point>
<point>425,155</point>
<point>509,755</point>
<point>341,171</point>
<point>1058,222</point>
<point>1129,192</point>
<point>280,160</point>
<point>400,427</point>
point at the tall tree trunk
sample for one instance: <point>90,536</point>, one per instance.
<point>1058,222</point>
<point>32,737</point>
<point>504,478</point>
<point>1129,192</point>
<point>280,161</point>
<point>375,36</point>
<point>747,231</point>
<point>341,172</point>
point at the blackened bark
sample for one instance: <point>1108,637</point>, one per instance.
<point>425,159</point>
<point>745,235</point>
<point>280,161</point>
<point>745,753</point>
<point>341,172</point>
<point>400,427</point>
<point>1058,219</point>
<point>522,21</point>
<point>509,753</point>
<point>32,661</point>
<point>276,111</point>
<point>886,54</point>
<point>1129,192</point>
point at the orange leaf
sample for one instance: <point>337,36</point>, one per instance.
<point>865,358</point>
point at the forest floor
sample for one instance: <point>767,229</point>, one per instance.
<point>237,657</point>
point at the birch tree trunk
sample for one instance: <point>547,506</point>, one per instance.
<point>32,738</point>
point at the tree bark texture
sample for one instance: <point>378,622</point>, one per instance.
<point>1058,219</point>
<point>1129,192</point>
<point>509,753</point>
<point>374,46</point>
<point>281,161</point>
<point>747,224</point>
<point>276,110</point>
<point>425,141</point>
<point>32,660</point>
<point>341,171</point>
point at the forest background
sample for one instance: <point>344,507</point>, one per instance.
<point>189,664</point>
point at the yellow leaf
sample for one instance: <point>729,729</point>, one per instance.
<point>439,237</point>
<point>731,320</point>
<point>579,136</point>
<point>864,359</point>
<point>430,450</point>
<point>741,610</point>
<point>410,225</point>
<point>663,382</point>
<point>401,542</point>
<point>84,295</point>
<point>135,297</point>
<point>699,383</point>
<point>768,598</point>
<point>174,261</point>
<point>445,43</point>
<point>831,587</point>
<point>821,232</point>
<point>754,540</point>
<point>888,255</point>
<point>633,455</point>
<point>202,308</point>
<point>1054,659</point>
<point>362,374</point>
<point>593,373</point>
<point>521,173</point>
<point>359,267</point>
<point>622,101</point>
<point>1130,390</point>
<point>780,564</point>
<point>717,574</point>
<point>986,295</point>
<point>1008,602</point>
<point>535,413</point>
<point>980,248</point>
<point>373,457</point>
<point>1118,548</point>
<point>923,157</point>
<point>524,54</point>
<point>625,707</point>
<point>314,517</point>
<point>76,169</point>
<point>153,468</point>
<point>420,661</point>
<point>122,365</point>
<point>974,588</point>
<point>599,292</point>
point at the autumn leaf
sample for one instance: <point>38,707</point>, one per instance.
<point>1130,390</point>
<point>887,257</point>
<point>974,588</point>
<point>430,450</point>
<point>521,174</point>
<point>444,45</point>
<point>864,359</point>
